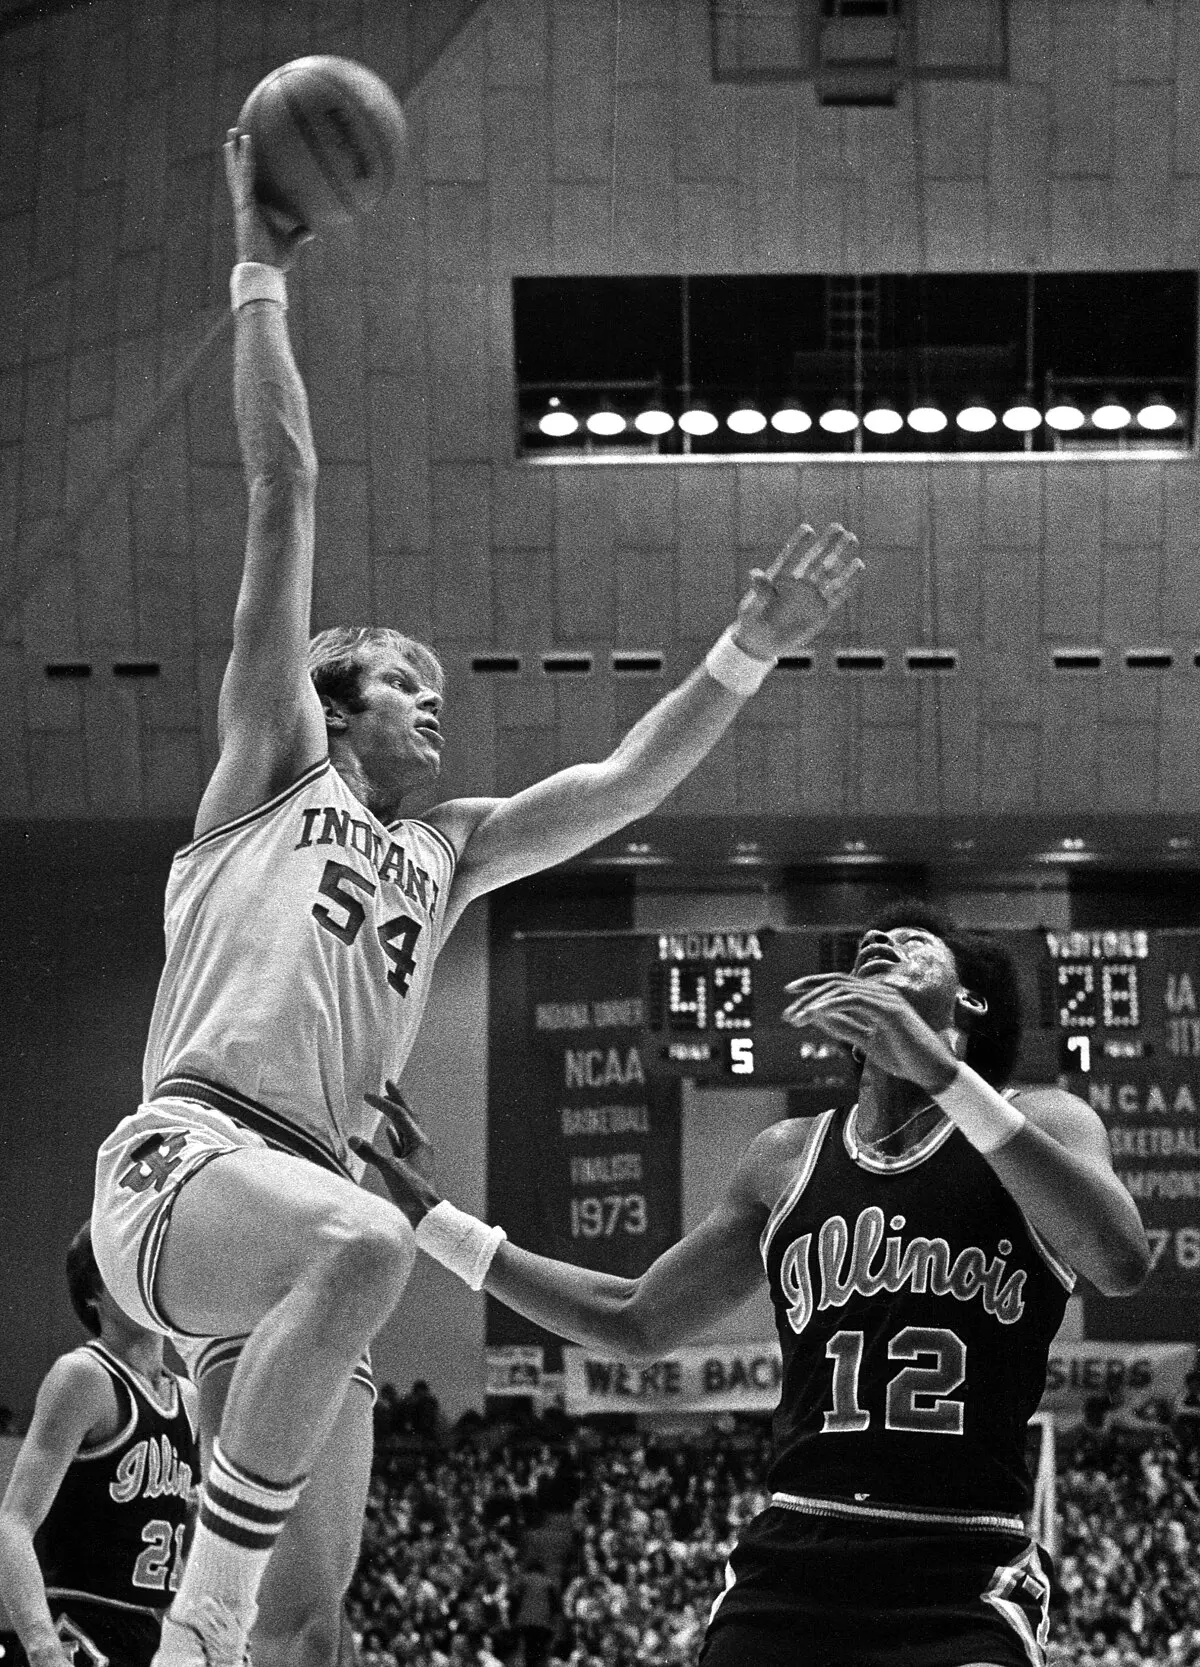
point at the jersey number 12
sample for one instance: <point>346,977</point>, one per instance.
<point>918,1396</point>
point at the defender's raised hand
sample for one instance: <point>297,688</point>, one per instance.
<point>793,600</point>
<point>408,1188</point>
<point>875,1017</point>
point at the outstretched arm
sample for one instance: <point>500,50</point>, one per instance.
<point>699,1281</point>
<point>704,1277</point>
<point>74,1402</point>
<point>270,722</point>
<point>501,840</point>
<point>1049,1151</point>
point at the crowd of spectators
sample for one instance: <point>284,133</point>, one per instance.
<point>555,1541</point>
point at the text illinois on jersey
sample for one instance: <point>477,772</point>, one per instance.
<point>151,1468</point>
<point>923,1265</point>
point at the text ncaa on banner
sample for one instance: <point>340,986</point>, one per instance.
<point>583,1142</point>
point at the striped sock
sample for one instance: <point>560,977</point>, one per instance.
<point>240,1519</point>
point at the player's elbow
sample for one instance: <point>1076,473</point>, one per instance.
<point>278,483</point>
<point>1125,1265</point>
<point>646,1331</point>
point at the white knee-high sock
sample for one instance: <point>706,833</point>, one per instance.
<point>240,1519</point>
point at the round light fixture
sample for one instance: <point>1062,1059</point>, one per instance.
<point>697,419</point>
<point>790,418</point>
<point>606,422</point>
<point>1156,414</point>
<point>883,418</point>
<point>1112,414</point>
<point>557,423</point>
<point>976,418</point>
<point>1022,418</point>
<point>838,418</point>
<point>746,419</point>
<point>654,420</point>
<point>1065,417</point>
<point>927,419</point>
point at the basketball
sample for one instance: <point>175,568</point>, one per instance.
<point>327,135</point>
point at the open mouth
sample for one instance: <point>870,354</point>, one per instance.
<point>878,958</point>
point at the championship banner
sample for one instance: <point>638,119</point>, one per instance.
<point>583,1141</point>
<point>732,1377</point>
<point>721,1377</point>
<point>1128,1007</point>
<point>1132,1373</point>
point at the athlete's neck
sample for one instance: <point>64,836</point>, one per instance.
<point>383,802</point>
<point>141,1351</point>
<point>889,1110</point>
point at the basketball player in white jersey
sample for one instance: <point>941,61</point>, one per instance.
<point>302,924</point>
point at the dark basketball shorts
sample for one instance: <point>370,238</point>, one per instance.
<point>99,1632</point>
<point>814,1591</point>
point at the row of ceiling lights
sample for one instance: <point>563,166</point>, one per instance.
<point>750,853</point>
<point>839,418</point>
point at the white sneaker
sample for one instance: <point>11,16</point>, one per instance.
<point>205,1634</point>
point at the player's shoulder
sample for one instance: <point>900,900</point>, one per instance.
<point>77,1395</point>
<point>1058,1112</point>
<point>770,1160</point>
<point>74,1371</point>
<point>457,819</point>
<point>1046,1099</point>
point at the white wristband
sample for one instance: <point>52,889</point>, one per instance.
<point>254,280</point>
<point>460,1242</point>
<point>730,665</point>
<point>986,1118</point>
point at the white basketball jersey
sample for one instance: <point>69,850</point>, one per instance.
<point>300,944</point>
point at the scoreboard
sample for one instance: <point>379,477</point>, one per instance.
<point>618,1020</point>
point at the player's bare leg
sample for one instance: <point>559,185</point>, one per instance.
<point>310,1266</point>
<point>300,1602</point>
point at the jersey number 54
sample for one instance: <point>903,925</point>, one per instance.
<point>344,886</point>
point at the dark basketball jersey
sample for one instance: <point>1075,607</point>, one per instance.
<point>117,1526</point>
<point>915,1309</point>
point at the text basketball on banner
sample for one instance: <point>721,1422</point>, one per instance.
<point>583,1143</point>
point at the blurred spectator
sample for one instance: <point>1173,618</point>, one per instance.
<point>385,1413</point>
<point>419,1415</point>
<point>647,1524</point>
<point>535,1612</point>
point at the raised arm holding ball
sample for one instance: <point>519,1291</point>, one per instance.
<point>303,922</point>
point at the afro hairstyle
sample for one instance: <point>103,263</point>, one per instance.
<point>985,968</point>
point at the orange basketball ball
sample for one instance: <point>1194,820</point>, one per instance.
<point>327,135</point>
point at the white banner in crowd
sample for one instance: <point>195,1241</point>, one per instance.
<point>515,1368</point>
<point>730,1377</point>
<point>723,1377</point>
<point>1131,1373</point>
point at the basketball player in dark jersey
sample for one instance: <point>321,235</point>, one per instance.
<point>94,1521</point>
<point>919,1251</point>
